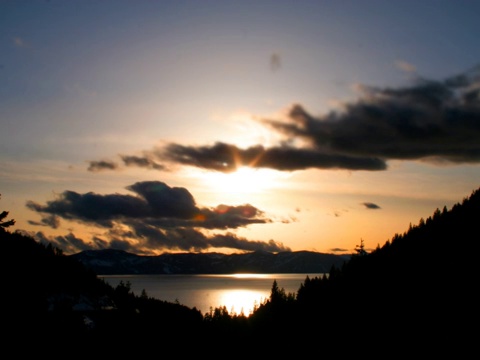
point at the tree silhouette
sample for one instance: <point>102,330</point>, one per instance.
<point>5,223</point>
<point>360,249</point>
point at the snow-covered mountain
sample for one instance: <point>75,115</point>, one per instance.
<point>118,262</point>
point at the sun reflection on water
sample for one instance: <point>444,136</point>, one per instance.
<point>250,276</point>
<point>241,301</point>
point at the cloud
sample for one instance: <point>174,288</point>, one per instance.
<point>231,241</point>
<point>154,202</point>
<point>155,218</point>
<point>69,243</point>
<point>275,62</point>
<point>145,162</point>
<point>370,205</point>
<point>431,121</point>
<point>152,240</point>
<point>19,42</point>
<point>51,221</point>
<point>95,166</point>
<point>339,250</point>
<point>405,66</point>
<point>227,158</point>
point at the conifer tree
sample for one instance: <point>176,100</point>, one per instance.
<point>5,223</point>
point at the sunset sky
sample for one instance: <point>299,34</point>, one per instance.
<point>231,126</point>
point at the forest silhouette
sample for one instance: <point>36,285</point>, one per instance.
<point>416,294</point>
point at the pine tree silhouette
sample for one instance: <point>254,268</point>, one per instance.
<point>5,223</point>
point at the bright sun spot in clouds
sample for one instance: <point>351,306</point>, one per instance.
<point>244,180</point>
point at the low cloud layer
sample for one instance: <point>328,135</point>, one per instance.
<point>433,121</point>
<point>156,218</point>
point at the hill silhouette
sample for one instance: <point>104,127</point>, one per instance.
<point>119,262</point>
<point>416,294</point>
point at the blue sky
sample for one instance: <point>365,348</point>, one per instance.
<point>230,126</point>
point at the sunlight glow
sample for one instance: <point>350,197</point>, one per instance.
<point>245,180</point>
<point>246,130</point>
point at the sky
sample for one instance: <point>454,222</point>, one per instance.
<point>235,126</point>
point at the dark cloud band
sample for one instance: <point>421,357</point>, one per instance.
<point>157,217</point>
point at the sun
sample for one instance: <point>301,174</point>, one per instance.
<point>244,180</point>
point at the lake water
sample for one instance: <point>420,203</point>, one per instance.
<point>239,293</point>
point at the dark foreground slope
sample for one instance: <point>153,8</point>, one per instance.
<point>418,291</point>
<point>417,295</point>
<point>52,303</point>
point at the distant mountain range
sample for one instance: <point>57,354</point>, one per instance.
<point>118,262</point>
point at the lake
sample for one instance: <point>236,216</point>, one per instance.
<point>239,293</point>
